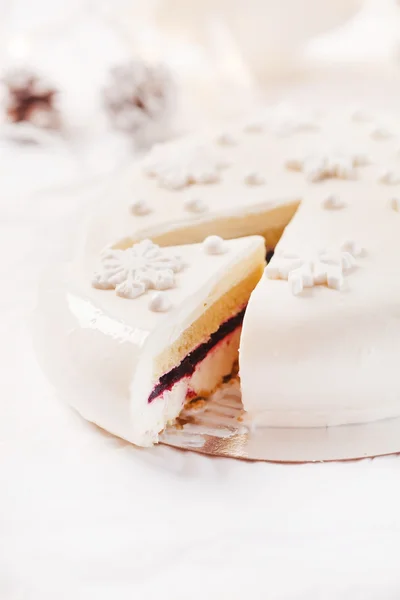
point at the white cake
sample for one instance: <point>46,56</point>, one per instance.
<point>321,332</point>
<point>134,334</point>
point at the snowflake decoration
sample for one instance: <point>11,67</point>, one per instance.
<point>319,166</point>
<point>180,164</point>
<point>133,271</point>
<point>282,120</point>
<point>325,269</point>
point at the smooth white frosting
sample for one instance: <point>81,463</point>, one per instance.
<point>317,356</point>
<point>229,181</point>
<point>100,348</point>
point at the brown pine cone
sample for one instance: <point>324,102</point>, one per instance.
<point>139,95</point>
<point>31,99</point>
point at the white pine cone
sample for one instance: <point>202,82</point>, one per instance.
<point>139,95</point>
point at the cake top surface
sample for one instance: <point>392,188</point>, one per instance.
<point>343,169</point>
<point>328,303</point>
<point>136,289</point>
<point>276,159</point>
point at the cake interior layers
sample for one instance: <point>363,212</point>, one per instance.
<point>207,350</point>
<point>188,365</point>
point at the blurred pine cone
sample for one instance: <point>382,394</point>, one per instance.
<point>31,99</point>
<point>139,97</point>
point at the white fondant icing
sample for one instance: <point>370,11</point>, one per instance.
<point>282,121</point>
<point>334,277</point>
<point>361,115</point>
<point>325,269</point>
<point>253,178</point>
<point>133,271</point>
<point>380,133</point>
<point>389,177</point>
<point>254,127</point>
<point>361,160</point>
<point>286,121</point>
<point>294,164</point>
<point>228,202</point>
<point>317,167</point>
<point>326,358</point>
<point>332,202</point>
<point>394,204</point>
<point>160,302</point>
<point>213,244</point>
<point>195,205</point>
<point>101,350</point>
<point>301,278</point>
<point>353,248</point>
<point>323,358</point>
<point>140,208</point>
<point>181,163</point>
<point>226,139</point>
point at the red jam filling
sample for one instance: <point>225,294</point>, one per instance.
<point>187,366</point>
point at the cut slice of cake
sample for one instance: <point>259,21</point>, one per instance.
<point>136,333</point>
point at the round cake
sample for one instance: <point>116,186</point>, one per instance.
<point>150,313</point>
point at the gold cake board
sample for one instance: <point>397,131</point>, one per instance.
<point>218,427</point>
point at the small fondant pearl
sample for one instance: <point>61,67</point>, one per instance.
<point>360,115</point>
<point>394,204</point>
<point>254,179</point>
<point>332,202</point>
<point>380,133</point>
<point>195,205</point>
<point>361,160</point>
<point>160,303</point>
<point>140,208</point>
<point>294,164</point>
<point>213,244</point>
<point>254,127</point>
<point>226,139</point>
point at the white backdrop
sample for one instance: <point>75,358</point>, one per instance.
<point>85,516</point>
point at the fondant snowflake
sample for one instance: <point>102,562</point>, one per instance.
<point>181,164</point>
<point>283,120</point>
<point>319,166</point>
<point>133,271</point>
<point>327,268</point>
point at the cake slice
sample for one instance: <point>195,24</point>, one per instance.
<point>133,334</point>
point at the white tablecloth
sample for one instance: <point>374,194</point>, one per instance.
<point>86,516</point>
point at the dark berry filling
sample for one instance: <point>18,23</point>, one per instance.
<point>188,364</point>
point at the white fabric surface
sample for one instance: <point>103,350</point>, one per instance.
<point>86,516</point>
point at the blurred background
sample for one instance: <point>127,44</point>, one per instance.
<point>224,57</point>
